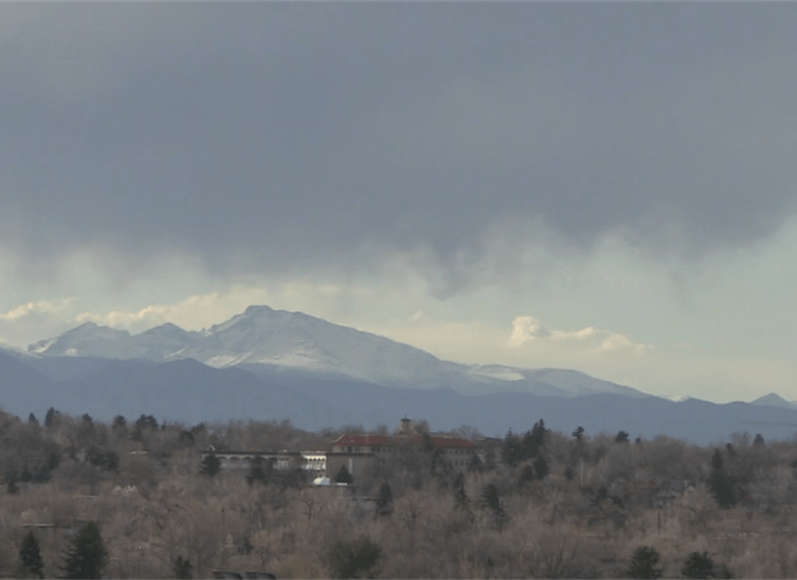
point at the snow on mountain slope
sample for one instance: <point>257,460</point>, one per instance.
<point>90,339</point>
<point>263,336</point>
<point>547,382</point>
<point>189,392</point>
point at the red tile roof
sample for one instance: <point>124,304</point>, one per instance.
<point>437,441</point>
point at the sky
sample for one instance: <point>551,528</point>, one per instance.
<point>608,187</point>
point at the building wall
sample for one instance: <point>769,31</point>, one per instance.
<point>315,462</point>
<point>358,453</point>
<point>243,460</point>
<point>357,463</point>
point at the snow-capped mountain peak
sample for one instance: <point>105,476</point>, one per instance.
<point>88,339</point>
<point>261,337</point>
<point>167,330</point>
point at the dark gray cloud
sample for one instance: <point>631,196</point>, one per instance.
<point>294,136</point>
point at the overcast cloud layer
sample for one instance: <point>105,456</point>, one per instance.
<point>289,137</point>
<point>601,186</point>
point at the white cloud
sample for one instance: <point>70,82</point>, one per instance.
<point>33,320</point>
<point>527,329</point>
<point>340,303</point>
<point>37,308</point>
<point>193,313</point>
<point>347,304</point>
<point>522,341</point>
<point>531,344</point>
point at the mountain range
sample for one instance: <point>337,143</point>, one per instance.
<point>273,365</point>
<point>261,339</point>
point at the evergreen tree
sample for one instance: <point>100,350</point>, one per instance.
<point>354,559</point>
<point>119,423</point>
<point>106,460</point>
<point>86,557</point>
<point>492,501</point>
<point>622,437</point>
<point>11,483</point>
<point>541,467</point>
<point>257,472</point>
<point>186,438</point>
<point>578,434</point>
<point>475,464</point>
<point>716,460</point>
<point>32,420</point>
<point>50,417</point>
<point>344,476</point>
<point>30,557</point>
<point>41,475</point>
<point>53,459</point>
<point>211,465</point>
<point>643,563</point>
<point>526,474</point>
<point>147,421</point>
<point>294,478</point>
<point>384,503</point>
<point>529,446</point>
<point>698,565</point>
<point>181,568</point>
<point>144,422</point>
<point>721,486</point>
<point>515,449</point>
<point>491,498</point>
<point>510,449</point>
<point>462,501</point>
<point>538,433</point>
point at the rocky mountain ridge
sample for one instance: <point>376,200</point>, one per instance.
<point>262,338</point>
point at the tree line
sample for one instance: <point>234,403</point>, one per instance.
<point>134,498</point>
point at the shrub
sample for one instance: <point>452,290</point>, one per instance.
<point>698,565</point>
<point>353,559</point>
<point>643,563</point>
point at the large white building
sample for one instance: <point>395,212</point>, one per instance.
<point>357,452</point>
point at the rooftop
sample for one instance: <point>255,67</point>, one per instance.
<point>437,440</point>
